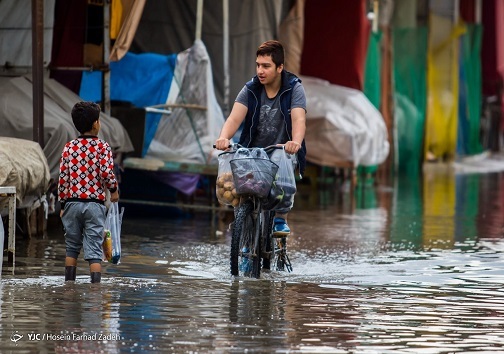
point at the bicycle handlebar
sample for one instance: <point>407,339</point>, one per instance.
<point>267,148</point>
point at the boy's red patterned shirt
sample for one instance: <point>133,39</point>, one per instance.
<point>86,170</point>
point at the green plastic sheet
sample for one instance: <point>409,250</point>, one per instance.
<point>410,86</point>
<point>468,141</point>
<point>372,82</point>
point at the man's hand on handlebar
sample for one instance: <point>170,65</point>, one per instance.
<point>222,144</point>
<point>292,147</point>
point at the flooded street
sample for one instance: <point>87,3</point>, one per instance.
<point>415,267</point>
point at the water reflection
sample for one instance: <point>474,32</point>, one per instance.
<point>444,210</point>
<point>413,267</point>
<point>90,321</point>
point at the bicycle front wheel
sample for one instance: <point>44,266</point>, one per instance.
<point>243,257</point>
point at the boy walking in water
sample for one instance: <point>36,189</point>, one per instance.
<point>86,171</point>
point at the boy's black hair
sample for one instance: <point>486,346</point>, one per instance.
<point>274,49</point>
<point>84,114</point>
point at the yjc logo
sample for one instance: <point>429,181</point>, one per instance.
<point>15,337</point>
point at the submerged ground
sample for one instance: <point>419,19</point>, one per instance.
<point>414,266</point>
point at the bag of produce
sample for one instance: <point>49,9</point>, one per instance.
<point>225,188</point>
<point>253,172</point>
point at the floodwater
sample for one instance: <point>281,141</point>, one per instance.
<point>415,267</point>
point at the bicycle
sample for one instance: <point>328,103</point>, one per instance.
<point>252,239</point>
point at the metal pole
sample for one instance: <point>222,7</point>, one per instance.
<point>477,14</point>
<point>225,25</point>
<point>456,11</point>
<point>376,9</point>
<point>38,70</point>
<point>106,61</point>
<point>199,19</point>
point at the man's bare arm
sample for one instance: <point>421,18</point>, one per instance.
<point>298,117</point>
<point>231,125</point>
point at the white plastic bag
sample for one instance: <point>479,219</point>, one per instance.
<point>113,234</point>
<point>285,179</point>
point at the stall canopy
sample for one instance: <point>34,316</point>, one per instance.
<point>167,28</point>
<point>182,85</point>
<point>16,118</point>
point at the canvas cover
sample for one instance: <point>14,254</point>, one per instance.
<point>16,34</point>
<point>16,118</point>
<point>338,32</point>
<point>187,134</point>
<point>142,80</point>
<point>170,26</point>
<point>184,83</point>
<point>23,165</point>
<point>342,126</point>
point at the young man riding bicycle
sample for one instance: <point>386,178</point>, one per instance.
<point>272,107</point>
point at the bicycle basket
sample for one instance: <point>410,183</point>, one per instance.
<point>253,176</point>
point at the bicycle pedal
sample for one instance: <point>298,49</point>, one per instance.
<point>280,235</point>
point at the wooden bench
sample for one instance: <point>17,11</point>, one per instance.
<point>180,167</point>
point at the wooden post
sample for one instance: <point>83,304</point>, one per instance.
<point>38,70</point>
<point>199,19</point>
<point>225,34</point>
<point>106,60</point>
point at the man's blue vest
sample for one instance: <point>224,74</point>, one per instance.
<point>255,88</point>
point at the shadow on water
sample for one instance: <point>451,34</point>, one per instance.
<point>417,266</point>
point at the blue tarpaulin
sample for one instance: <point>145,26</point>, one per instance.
<point>142,79</point>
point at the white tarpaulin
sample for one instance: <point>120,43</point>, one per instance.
<point>188,133</point>
<point>16,118</point>
<point>24,166</point>
<point>16,32</point>
<point>342,126</point>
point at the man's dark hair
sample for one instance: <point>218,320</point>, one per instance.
<point>84,114</point>
<point>274,49</point>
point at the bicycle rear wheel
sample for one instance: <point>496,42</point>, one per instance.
<point>267,246</point>
<point>281,258</point>
<point>244,255</point>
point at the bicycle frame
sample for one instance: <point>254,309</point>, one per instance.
<point>252,238</point>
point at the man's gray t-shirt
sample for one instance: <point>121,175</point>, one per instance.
<point>271,127</point>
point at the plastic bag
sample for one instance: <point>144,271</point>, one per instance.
<point>274,197</point>
<point>253,172</point>
<point>242,153</point>
<point>112,234</point>
<point>285,180</point>
<point>225,188</point>
<point>259,153</point>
